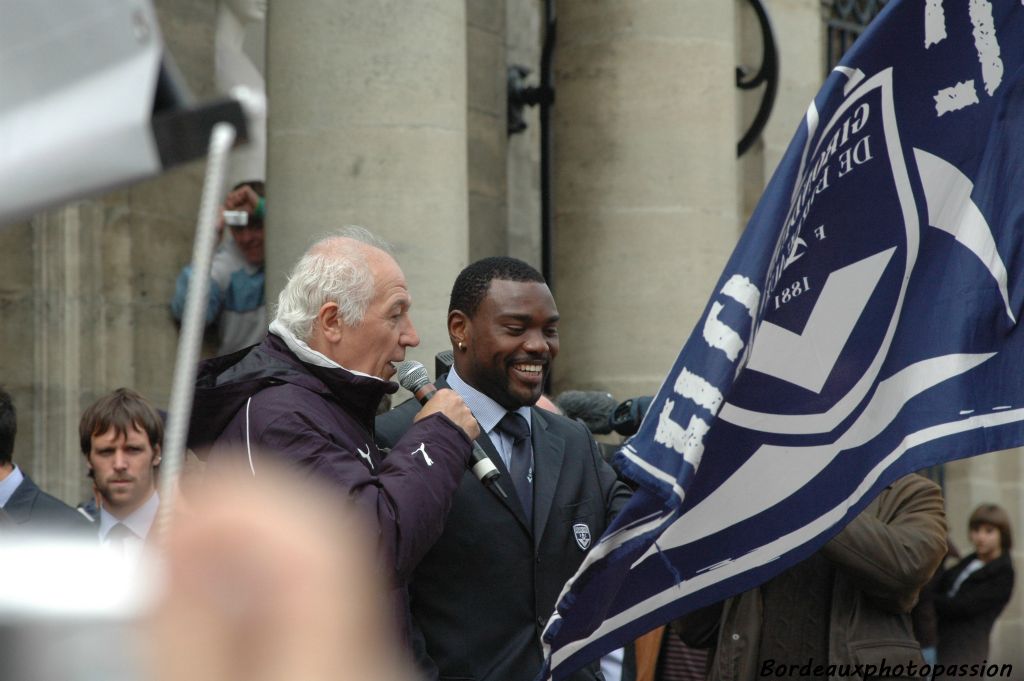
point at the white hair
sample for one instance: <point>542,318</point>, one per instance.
<point>329,272</point>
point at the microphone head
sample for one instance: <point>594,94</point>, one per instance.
<point>411,375</point>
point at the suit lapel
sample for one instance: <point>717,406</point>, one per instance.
<point>19,506</point>
<point>548,454</point>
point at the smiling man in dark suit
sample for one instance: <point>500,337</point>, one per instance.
<point>482,595</point>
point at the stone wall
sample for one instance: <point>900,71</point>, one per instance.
<point>84,290</point>
<point>645,183</point>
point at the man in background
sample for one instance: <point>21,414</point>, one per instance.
<point>846,605</point>
<point>27,508</point>
<point>236,303</point>
<point>121,435</point>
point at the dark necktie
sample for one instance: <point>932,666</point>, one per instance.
<point>521,462</point>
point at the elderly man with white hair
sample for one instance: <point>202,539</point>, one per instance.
<point>307,397</point>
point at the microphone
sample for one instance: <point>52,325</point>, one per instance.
<point>413,377</point>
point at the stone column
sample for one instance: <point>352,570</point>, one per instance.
<point>487,140</point>
<point>645,183</point>
<point>524,37</point>
<point>367,125</point>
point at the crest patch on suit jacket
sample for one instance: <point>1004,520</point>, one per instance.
<point>582,533</point>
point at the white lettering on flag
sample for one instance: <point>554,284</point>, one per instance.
<point>934,23</point>
<point>959,96</point>
<point>693,387</point>
<point>986,43</point>
<point>687,441</point>
<point>743,291</point>
<point>720,336</point>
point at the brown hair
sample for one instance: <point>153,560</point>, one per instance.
<point>990,514</point>
<point>120,410</point>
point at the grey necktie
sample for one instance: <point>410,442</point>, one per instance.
<point>118,536</point>
<point>521,463</point>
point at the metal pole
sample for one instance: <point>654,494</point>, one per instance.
<point>193,321</point>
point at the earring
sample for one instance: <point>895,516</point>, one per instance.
<point>462,347</point>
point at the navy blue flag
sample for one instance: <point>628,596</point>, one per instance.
<point>864,328</point>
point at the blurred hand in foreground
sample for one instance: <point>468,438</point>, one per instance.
<point>270,580</point>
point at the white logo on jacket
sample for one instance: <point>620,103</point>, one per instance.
<point>423,450</point>
<point>582,533</point>
<point>366,455</point>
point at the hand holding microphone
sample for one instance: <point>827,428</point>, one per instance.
<point>413,377</point>
<point>451,405</point>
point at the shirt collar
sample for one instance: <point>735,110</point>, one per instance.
<point>487,412</point>
<point>138,521</point>
<point>307,354</point>
<point>9,484</point>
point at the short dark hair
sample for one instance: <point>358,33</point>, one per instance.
<point>472,284</point>
<point>8,427</point>
<point>990,514</point>
<point>120,410</point>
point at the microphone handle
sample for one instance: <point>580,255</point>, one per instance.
<point>482,466</point>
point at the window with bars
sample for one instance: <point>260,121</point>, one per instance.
<point>846,20</point>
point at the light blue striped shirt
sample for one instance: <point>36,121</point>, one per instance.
<point>488,414</point>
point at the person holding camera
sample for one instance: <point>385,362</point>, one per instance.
<point>236,301</point>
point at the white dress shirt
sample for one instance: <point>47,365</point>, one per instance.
<point>138,521</point>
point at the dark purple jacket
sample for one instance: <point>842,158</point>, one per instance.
<point>264,402</point>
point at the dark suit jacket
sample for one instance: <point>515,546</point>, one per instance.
<point>965,620</point>
<point>482,595</point>
<point>33,511</point>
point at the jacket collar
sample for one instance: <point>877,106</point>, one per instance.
<point>308,355</point>
<point>224,383</point>
<point>19,505</point>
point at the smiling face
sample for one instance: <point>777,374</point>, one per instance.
<point>123,468</point>
<point>987,541</point>
<point>510,342</point>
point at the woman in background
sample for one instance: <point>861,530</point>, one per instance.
<point>970,596</point>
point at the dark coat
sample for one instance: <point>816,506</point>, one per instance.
<point>965,620</point>
<point>482,595</point>
<point>32,511</point>
<point>266,403</point>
